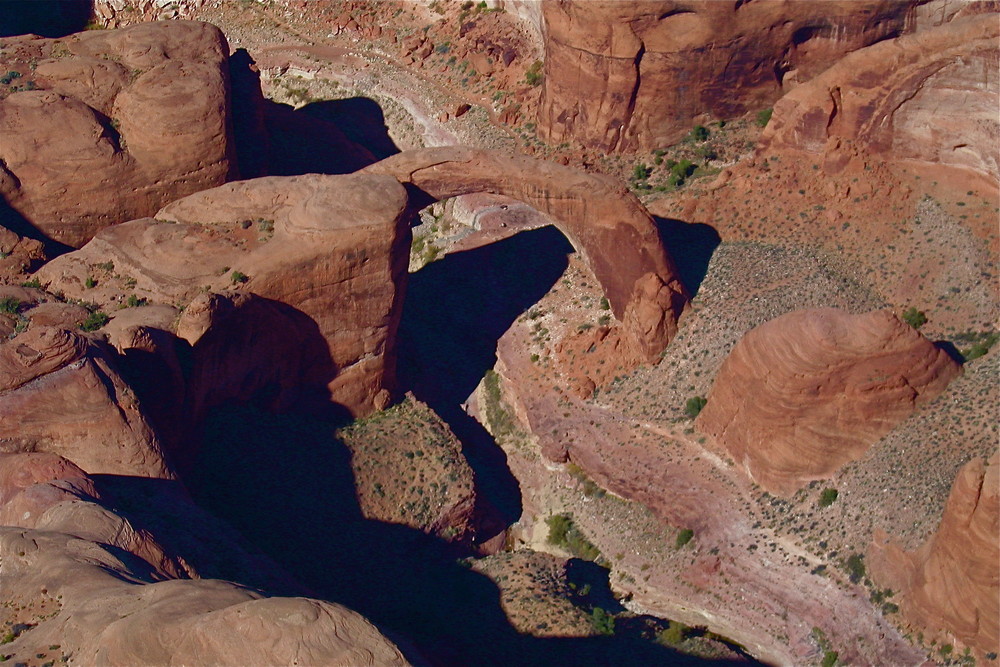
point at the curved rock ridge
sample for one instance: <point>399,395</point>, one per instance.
<point>122,121</point>
<point>599,216</point>
<point>84,593</point>
<point>950,587</point>
<point>60,393</point>
<point>927,98</point>
<point>326,255</point>
<point>638,74</point>
<point>803,394</point>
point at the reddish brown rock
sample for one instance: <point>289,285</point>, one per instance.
<point>927,98</point>
<point>598,214</point>
<point>327,254</point>
<point>807,392</point>
<point>950,587</point>
<point>122,122</point>
<point>60,394</point>
<point>639,74</point>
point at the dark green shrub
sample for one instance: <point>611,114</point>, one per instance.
<point>603,622</point>
<point>699,133</point>
<point>89,283</point>
<point>239,277</point>
<point>10,305</point>
<point>856,567</point>
<point>683,537</point>
<point>95,321</point>
<point>675,633</point>
<point>564,533</point>
<point>641,172</point>
<point>534,74</point>
<point>915,318</point>
<point>694,406</point>
<point>827,497</point>
<point>764,117</point>
<point>830,658</point>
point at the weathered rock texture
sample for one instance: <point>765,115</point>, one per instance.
<point>603,221</point>
<point>638,74</point>
<point>807,392</point>
<point>950,587</point>
<point>60,393</point>
<point>928,98</point>
<point>121,122</point>
<point>325,255</point>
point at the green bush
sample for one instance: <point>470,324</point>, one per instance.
<point>90,283</point>
<point>699,133</point>
<point>694,406</point>
<point>564,533</point>
<point>641,172</point>
<point>95,321</point>
<point>856,567</point>
<point>534,74</point>
<point>10,305</point>
<point>239,277</point>
<point>981,345</point>
<point>675,633</point>
<point>915,318</point>
<point>603,622</point>
<point>764,117</point>
<point>827,497</point>
<point>683,537</point>
<point>830,658</point>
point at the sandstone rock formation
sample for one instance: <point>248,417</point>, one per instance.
<point>110,125</point>
<point>950,587</point>
<point>809,391</point>
<point>59,393</point>
<point>927,98</point>
<point>603,221</point>
<point>327,254</point>
<point>639,74</point>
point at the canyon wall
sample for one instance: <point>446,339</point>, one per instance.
<point>633,75</point>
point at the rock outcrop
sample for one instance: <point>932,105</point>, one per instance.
<point>927,98</point>
<point>638,74</point>
<point>326,255</point>
<point>807,392</point>
<point>599,216</point>
<point>59,393</point>
<point>108,126</point>
<point>950,587</point>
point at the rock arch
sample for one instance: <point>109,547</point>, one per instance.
<point>599,216</point>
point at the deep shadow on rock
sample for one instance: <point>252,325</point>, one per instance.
<point>48,18</point>
<point>692,245</point>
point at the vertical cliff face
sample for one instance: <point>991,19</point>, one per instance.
<point>637,74</point>
<point>950,587</point>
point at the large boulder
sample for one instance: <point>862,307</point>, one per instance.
<point>928,98</point>
<point>60,393</point>
<point>807,392</point>
<point>113,125</point>
<point>638,74</point>
<point>950,587</point>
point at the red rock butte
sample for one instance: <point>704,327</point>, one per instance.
<point>807,392</point>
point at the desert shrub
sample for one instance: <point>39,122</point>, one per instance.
<point>694,406</point>
<point>9,76</point>
<point>683,537</point>
<point>981,344</point>
<point>534,74</point>
<point>564,533</point>
<point>89,283</point>
<point>672,635</point>
<point>239,277</point>
<point>10,305</point>
<point>603,622</point>
<point>95,321</point>
<point>133,301</point>
<point>827,497</point>
<point>641,172</point>
<point>915,318</point>
<point>855,565</point>
<point>34,282</point>
<point>699,133</point>
<point>764,117</point>
<point>829,658</point>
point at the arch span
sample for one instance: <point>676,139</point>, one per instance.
<point>605,222</point>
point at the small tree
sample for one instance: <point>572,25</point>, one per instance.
<point>764,117</point>
<point>603,622</point>
<point>534,74</point>
<point>699,133</point>
<point>915,318</point>
<point>683,537</point>
<point>239,277</point>
<point>827,497</point>
<point>694,405</point>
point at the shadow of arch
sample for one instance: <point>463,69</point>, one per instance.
<point>599,216</point>
<point>454,312</point>
<point>360,119</point>
<point>692,245</point>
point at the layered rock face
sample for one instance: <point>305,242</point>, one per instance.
<point>326,255</point>
<point>600,217</point>
<point>928,98</point>
<point>59,393</point>
<point>113,124</point>
<point>807,392</point>
<point>636,75</point>
<point>950,587</point>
